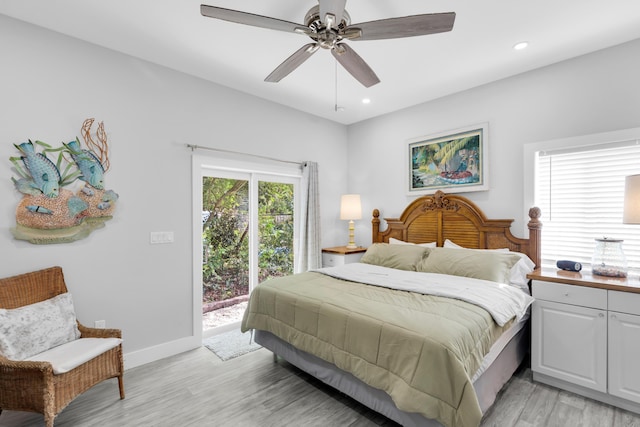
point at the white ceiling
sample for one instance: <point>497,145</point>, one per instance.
<point>412,70</point>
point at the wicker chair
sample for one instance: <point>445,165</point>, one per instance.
<point>32,386</point>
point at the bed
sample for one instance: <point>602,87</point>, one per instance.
<point>420,357</point>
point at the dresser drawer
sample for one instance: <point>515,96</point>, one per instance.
<point>570,294</point>
<point>332,260</point>
<point>624,302</point>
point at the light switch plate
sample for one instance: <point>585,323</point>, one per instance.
<point>159,237</point>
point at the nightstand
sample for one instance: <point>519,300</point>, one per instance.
<point>341,255</point>
<point>585,335</point>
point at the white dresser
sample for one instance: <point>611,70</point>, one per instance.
<point>586,335</point>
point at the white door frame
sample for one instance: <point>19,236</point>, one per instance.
<point>236,169</point>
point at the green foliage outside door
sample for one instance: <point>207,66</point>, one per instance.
<point>226,236</point>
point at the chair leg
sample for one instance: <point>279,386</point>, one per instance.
<point>121,386</point>
<point>49,402</point>
<point>48,419</point>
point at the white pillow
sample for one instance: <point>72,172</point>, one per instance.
<point>449,244</point>
<point>32,329</point>
<point>518,275</point>
<point>393,241</point>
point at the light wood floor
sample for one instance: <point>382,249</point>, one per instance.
<point>198,389</point>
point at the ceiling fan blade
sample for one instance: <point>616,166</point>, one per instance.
<point>292,62</point>
<point>251,19</point>
<point>355,65</point>
<point>407,26</point>
<point>334,8</point>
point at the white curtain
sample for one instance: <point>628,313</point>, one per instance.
<point>309,252</point>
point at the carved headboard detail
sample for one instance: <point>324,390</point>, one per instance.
<point>441,216</point>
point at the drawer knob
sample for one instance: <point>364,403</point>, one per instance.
<point>600,315</point>
<point>566,294</point>
<point>613,316</point>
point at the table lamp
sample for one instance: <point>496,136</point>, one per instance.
<point>631,213</point>
<point>350,209</point>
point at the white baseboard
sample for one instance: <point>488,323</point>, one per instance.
<point>220,329</point>
<point>160,351</point>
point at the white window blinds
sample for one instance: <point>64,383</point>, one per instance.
<point>581,194</point>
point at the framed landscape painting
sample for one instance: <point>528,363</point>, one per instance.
<point>454,161</point>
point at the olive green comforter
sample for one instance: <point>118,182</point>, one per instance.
<point>420,349</point>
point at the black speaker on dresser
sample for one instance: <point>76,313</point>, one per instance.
<point>569,265</point>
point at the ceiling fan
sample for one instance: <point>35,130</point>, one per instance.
<point>328,24</point>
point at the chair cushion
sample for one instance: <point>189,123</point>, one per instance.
<point>34,328</point>
<point>68,356</point>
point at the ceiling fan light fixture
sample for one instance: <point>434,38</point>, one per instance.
<point>327,24</point>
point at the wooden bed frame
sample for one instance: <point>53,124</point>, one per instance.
<point>443,216</point>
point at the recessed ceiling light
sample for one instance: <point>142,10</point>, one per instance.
<point>366,101</point>
<point>520,45</point>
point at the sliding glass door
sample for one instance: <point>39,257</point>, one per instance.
<point>276,229</point>
<point>225,247</point>
<point>248,235</point>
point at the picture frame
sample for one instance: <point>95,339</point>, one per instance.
<point>454,161</point>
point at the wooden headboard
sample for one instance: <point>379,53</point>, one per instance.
<point>446,216</point>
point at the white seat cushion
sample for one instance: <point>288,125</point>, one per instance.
<point>68,356</point>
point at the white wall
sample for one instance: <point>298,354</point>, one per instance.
<point>50,83</point>
<point>594,93</point>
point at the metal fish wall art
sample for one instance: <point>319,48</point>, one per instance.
<point>91,169</point>
<point>63,201</point>
<point>43,174</point>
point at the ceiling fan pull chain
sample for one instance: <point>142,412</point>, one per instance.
<point>335,67</point>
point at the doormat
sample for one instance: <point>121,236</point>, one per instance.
<point>231,344</point>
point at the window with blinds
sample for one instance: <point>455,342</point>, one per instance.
<point>581,194</point>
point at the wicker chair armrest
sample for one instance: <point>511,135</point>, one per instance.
<point>86,332</point>
<point>8,366</point>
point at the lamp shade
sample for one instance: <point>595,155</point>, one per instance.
<point>350,207</point>
<point>631,213</point>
